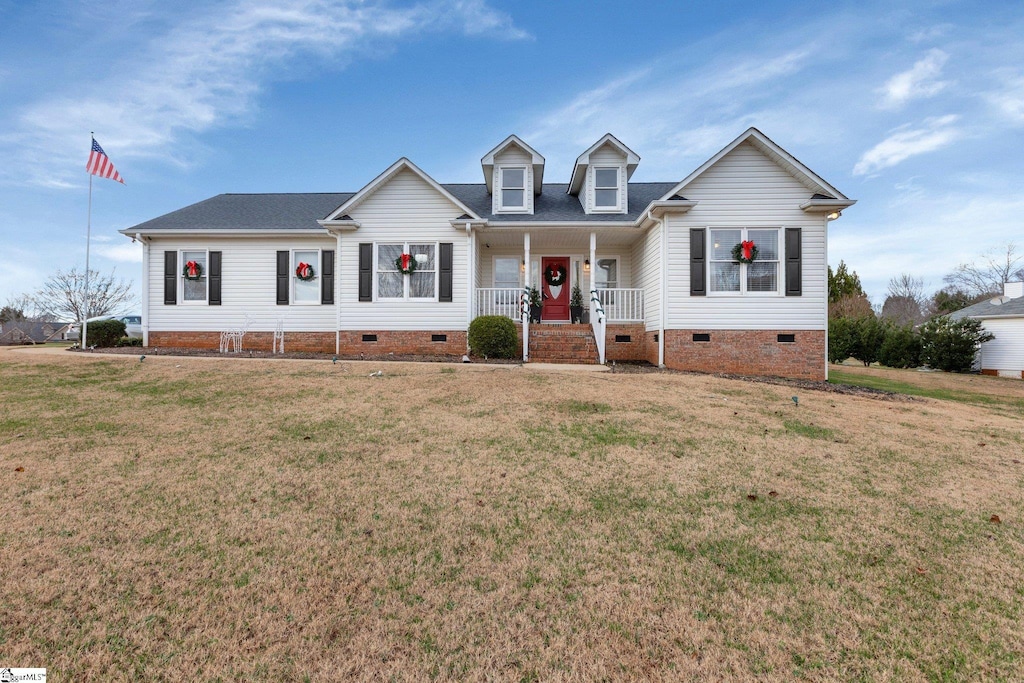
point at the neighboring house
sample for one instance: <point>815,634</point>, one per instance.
<point>655,258</point>
<point>25,332</point>
<point>1003,316</point>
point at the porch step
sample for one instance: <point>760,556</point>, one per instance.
<point>562,344</point>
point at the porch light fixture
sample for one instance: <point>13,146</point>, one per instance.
<point>586,266</point>
<point>522,266</point>
<point>834,215</point>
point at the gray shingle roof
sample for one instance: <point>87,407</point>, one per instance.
<point>294,211</point>
<point>986,309</point>
<point>301,211</point>
<point>554,205</point>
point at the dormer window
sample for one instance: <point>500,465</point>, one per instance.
<point>606,189</point>
<point>513,189</point>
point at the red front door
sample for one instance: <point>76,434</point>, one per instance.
<point>556,296</point>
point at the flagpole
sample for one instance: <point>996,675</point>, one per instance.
<point>88,237</point>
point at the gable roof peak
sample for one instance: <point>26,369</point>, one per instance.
<point>403,164</point>
<point>579,170</point>
<point>536,160</point>
<point>777,154</point>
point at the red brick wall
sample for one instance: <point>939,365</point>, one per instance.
<point>402,343</point>
<point>631,350</point>
<point>748,352</point>
<point>352,344</point>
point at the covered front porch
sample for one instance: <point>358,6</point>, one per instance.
<point>580,276</point>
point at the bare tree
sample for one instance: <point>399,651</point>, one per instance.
<point>906,301</point>
<point>63,295</point>
<point>986,276</point>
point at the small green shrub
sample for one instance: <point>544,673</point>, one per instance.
<point>103,333</point>
<point>842,340</point>
<point>950,345</point>
<point>129,341</point>
<point>901,348</point>
<point>493,336</point>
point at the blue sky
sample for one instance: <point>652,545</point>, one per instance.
<point>916,109</point>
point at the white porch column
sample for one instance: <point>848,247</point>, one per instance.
<point>525,317</point>
<point>593,258</point>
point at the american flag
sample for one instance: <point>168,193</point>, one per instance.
<point>99,164</point>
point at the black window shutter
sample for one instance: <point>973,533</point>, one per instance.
<point>170,278</point>
<point>366,271</point>
<point>444,291</point>
<point>327,276</point>
<point>794,267</point>
<point>698,262</point>
<point>282,278</point>
<point>215,278</point>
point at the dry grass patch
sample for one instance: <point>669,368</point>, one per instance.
<point>253,519</point>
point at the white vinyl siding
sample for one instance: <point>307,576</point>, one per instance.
<point>248,286</point>
<point>746,189</point>
<point>1005,353</point>
<point>646,257</point>
<point>405,210</point>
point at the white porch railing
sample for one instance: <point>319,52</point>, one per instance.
<point>622,305</point>
<point>598,323</point>
<point>504,301</point>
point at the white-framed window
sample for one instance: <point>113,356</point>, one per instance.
<point>391,284</point>
<point>194,290</point>
<point>606,189</point>
<point>513,188</point>
<point>726,276</point>
<point>306,291</point>
<point>606,272</point>
<point>507,272</point>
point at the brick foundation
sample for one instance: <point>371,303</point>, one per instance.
<point>415,343</point>
<point>633,350</point>
<point>748,352</point>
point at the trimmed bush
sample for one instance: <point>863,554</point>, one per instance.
<point>950,345</point>
<point>901,348</point>
<point>102,333</point>
<point>493,336</point>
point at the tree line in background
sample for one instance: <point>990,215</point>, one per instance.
<point>62,298</point>
<point>911,328</point>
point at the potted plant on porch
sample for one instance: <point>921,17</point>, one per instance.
<point>535,305</point>
<point>576,303</point>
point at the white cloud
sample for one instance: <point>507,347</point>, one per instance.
<point>1009,100</point>
<point>936,133</point>
<point>920,81</point>
<point>128,252</point>
<point>209,70</point>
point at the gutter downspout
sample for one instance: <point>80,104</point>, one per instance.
<point>662,288</point>
<point>470,277</point>
<point>337,295</point>
<point>145,289</point>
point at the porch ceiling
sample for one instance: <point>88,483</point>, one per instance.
<point>559,238</point>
